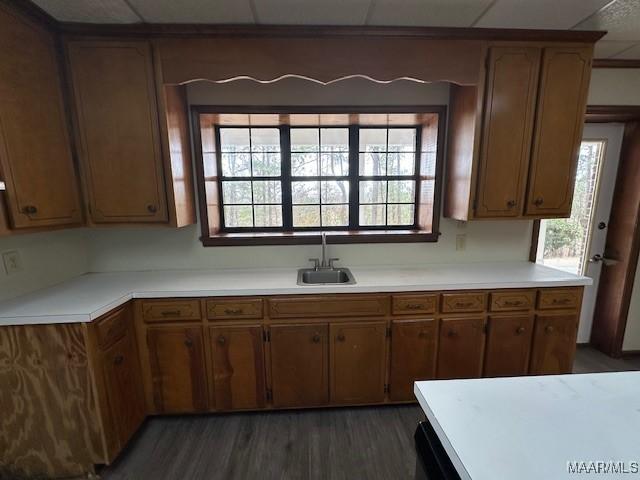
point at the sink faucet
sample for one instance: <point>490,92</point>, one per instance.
<point>323,264</point>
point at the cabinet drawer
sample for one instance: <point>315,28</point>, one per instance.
<point>559,298</point>
<point>463,302</point>
<point>512,301</point>
<point>234,308</point>
<point>333,306</point>
<point>170,311</point>
<point>112,327</point>
<point>412,304</point>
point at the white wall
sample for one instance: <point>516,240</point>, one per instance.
<point>47,259</point>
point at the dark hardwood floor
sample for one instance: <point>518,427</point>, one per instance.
<point>341,443</point>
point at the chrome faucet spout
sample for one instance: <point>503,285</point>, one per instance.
<point>323,263</point>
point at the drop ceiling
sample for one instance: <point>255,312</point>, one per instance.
<point>621,18</point>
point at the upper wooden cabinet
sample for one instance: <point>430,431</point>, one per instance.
<point>131,134</point>
<point>514,137</point>
<point>36,162</point>
<point>558,130</point>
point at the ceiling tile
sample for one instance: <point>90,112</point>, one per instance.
<point>632,53</point>
<point>194,11</point>
<point>606,49</point>
<point>621,19</point>
<point>553,14</point>
<point>312,12</point>
<point>89,11</point>
<point>433,13</point>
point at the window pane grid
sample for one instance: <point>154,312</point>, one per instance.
<point>332,206</point>
<point>251,177</point>
<point>387,176</point>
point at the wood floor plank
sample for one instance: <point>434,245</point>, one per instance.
<point>375,443</point>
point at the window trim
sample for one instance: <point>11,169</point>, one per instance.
<point>276,235</point>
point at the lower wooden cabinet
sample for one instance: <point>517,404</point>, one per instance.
<point>299,365</point>
<point>358,361</point>
<point>124,394</point>
<point>238,367</point>
<point>508,345</point>
<point>413,355</point>
<point>461,347</point>
<point>177,365</point>
<point>554,343</point>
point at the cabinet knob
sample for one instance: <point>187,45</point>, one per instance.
<point>152,208</point>
<point>549,329</point>
<point>316,338</point>
<point>451,333</point>
<point>222,340</point>
<point>520,330</point>
<point>538,201</point>
<point>118,360</point>
<point>511,203</point>
<point>423,334</point>
<point>341,337</point>
<point>188,343</point>
<point>29,209</point>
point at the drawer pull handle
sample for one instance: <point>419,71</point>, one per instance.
<point>414,306</point>
<point>188,343</point>
<point>341,337</point>
<point>560,301</point>
<point>513,303</point>
<point>222,340</point>
<point>316,338</point>
<point>423,334</point>
<point>233,311</point>
<point>520,330</point>
<point>464,304</point>
<point>170,313</point>
<point>549,329</point>
<point>538,201</point>
<point>30,209</point>
<point>118,360</point>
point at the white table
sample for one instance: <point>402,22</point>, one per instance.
<point>528,428</point>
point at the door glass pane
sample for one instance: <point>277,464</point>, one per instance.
<point>563,243</point>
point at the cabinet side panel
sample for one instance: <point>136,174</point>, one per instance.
<point>49,426</point>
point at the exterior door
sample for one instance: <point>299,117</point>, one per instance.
<point>576,244</point>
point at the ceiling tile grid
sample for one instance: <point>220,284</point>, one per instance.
<point>621,18</point>
<point>89,11</point>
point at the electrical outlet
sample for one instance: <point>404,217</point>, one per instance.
<point>12,262</point>
<point>461,242</point>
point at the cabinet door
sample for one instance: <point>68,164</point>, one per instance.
<point>508,345</point>
<point>117,118</point>
<point>299,365</point>
<point>123,382</point>
<point>512,81</point>
<point>558,130</point>
<point>35,153</point>
<point>177,369</point>
<point>461,347</point>
<point>357,352</point>
<point>554,343</point>
<point>413,355</point>
<point>238,367</point>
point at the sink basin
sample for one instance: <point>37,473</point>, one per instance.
<point>309,276</point>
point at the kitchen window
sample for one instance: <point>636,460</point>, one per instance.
<point>279,177</point>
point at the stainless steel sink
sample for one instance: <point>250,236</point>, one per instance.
<point>311,276</point>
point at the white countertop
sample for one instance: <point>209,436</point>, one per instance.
<point>528,428</point>
<point>89,296</point>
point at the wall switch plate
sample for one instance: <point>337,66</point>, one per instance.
<point>12,262</point>
<point>461,242</point>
